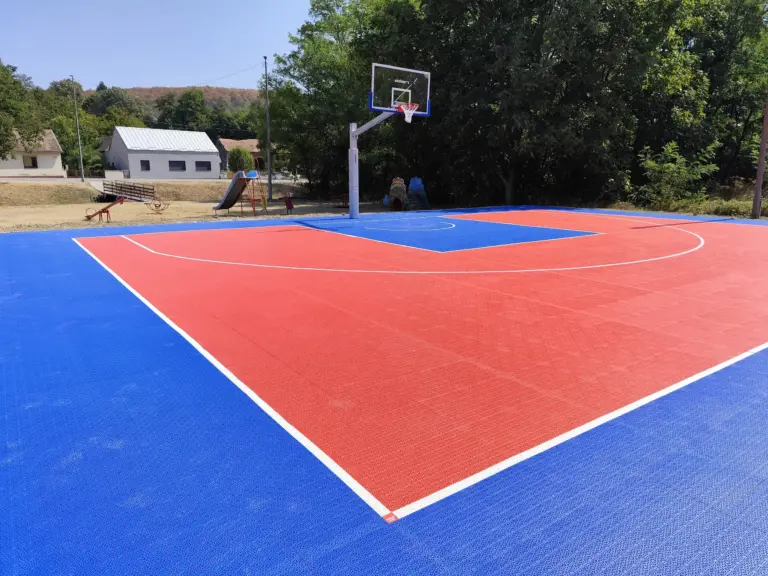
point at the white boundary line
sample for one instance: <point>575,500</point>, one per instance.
<point>351,483</point>
<point>509,462</point>
<point>452,489</point>
<point>365,238</point>
<point>294,222</point>
<point>582,233</point>
<point>466,218</point>
<point>301,225</point>
<point>527,242</point>
<point>700,245</point>
<point>451,226</point>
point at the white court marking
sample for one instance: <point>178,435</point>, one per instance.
<point>452,489</point>
<point>699,246</point>
<point>412,229</point>
<point>571,434</point>
<point>315,450</point>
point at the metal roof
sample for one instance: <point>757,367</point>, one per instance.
<point>165,140</point>
<point>252,145</point>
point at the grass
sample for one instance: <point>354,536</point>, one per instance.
<point>715,206</point>
<point>208,191</point>
<point>59,193</point>
<point>40,193</point>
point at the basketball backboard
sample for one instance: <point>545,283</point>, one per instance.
<point>391,87</point>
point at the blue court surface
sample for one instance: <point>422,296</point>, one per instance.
<point>440,234</point>
<point>124,451</point>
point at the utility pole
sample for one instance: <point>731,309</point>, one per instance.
<point>77,123</point>
<point>758,200</point>
<point>269,139</point>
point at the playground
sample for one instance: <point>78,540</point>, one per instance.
<point>48,205</point>
<point>542,391</point>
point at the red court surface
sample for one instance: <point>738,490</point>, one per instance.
<point>412,374</point>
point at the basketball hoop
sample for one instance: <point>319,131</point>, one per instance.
<point>408,110</point>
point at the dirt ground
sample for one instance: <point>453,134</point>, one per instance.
<point>34,193</point>
<point>45,205</point>
<point>37,193</point>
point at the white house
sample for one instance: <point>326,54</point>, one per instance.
<point>41,160</point>
<point>150,154</point>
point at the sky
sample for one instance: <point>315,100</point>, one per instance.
<point>132,43</point>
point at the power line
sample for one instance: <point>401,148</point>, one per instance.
<point>228,75</point>
<point>197,129</point>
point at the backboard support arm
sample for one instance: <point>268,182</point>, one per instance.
<point>354,167</point>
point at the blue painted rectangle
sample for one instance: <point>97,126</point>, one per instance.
<point>443,234</point>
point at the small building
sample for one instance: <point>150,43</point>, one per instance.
<point>151,154</point>
<point>43,160</point>
<point>225,145</point>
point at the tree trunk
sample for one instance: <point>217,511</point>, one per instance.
<point>509,186</point>
<point>737,148</point>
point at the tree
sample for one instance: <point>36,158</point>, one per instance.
<point>187,112</point>
<point>224,124</point>
<point>19,112</point>
<point>91,131</point>
<point>64,89</point>
<point>535,101</point>
<point>318,89</point>
<point>166,108</point>
<point>240,159</point>
<point>118,116</point>
<point>101,101</point>
<point>538,101</point>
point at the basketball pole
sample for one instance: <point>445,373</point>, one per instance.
<point>354,166</point>
<point>269,139</point>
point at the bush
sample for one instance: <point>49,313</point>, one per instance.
<point>240,159</point>
<point>718,207</point>
<point>671,177</point>
<point>735,208</point>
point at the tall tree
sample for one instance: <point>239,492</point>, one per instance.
<point>319,88</point>
<point>19,112</point>
<point>101,101</point>
<point>187,112</point>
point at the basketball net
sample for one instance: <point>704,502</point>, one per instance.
<point>408,110</point>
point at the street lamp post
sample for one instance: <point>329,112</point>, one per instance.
<point>269,140</point>
<point>77,123</point>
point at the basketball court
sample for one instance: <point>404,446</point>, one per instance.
<point>479,391</point>
<point>412,355</point>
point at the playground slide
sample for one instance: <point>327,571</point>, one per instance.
<point>234,190</point>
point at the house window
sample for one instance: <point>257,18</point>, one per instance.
<point>30,161</point>
<point>145,165</point>
<point>177,165</point>
<point>201,166</point>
